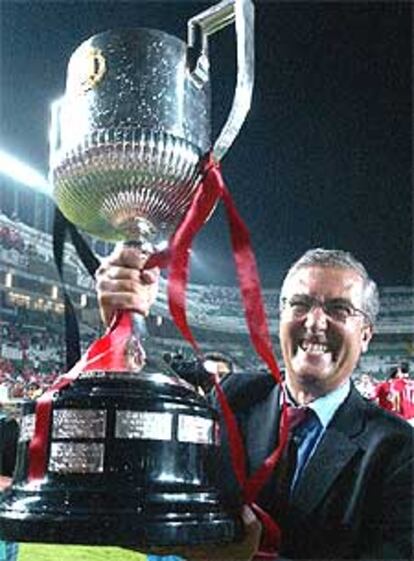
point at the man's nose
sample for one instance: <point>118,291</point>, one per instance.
<point>316,317</point>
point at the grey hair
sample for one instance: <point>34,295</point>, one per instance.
<point>337,258</point>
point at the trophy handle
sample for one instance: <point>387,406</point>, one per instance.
<point>208,22</point>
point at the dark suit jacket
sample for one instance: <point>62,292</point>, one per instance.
<point>354,498</point>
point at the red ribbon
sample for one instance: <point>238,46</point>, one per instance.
<point>202,205</point>
<point>210,190</point>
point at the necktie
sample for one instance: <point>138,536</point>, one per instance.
<point>296,417</point>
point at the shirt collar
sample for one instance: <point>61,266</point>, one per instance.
<point>326,406</point>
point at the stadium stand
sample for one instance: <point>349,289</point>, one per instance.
<point>31,307</point>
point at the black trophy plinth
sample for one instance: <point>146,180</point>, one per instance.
<point>131,461</point>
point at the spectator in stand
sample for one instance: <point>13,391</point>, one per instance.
<point>405,386</point>
<point>366,385</point>
<point>396,394</point>
<point>18,390</point>
<point>218,363</point>
<point>401,392</point>
<point>34,390</point>
<point>383,391</point>
<point>397,385</point>
<point>197,372</point>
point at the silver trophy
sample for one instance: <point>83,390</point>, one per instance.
<point>128,136</point>
<point>132,454</point>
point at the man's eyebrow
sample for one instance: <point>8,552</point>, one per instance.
<point>340,301</point>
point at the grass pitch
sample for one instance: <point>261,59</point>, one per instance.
<point>42,552</point>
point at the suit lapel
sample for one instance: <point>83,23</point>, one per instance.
<point>336,449</point>
<point>312,486</point>
<point>262,430</point>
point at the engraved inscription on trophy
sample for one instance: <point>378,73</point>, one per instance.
<point>149,425</point>
<point>76,457</point>
<point>79,423</point>
<point>198,430</point>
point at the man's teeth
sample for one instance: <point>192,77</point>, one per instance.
<point>314,347</point>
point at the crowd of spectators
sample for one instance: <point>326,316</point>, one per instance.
<point>29,361</point>
<point>19,381</point>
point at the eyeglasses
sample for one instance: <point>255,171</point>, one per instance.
<point>337,309</point>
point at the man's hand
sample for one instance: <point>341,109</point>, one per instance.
<point>121,283</point>
<point>237,551</point>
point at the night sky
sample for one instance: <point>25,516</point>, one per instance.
<point>324,158</point>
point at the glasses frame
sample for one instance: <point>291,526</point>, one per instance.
<point>317,303</point>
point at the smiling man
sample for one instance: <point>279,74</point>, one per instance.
<point>328,307</point>
<point>344,486</point>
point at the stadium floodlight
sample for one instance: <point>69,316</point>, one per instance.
<point>8,280</point>
<point>22,173</point>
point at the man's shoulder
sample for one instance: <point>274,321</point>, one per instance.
<point>382,422</point>
<point>388,418</point>
<point>245,389</point>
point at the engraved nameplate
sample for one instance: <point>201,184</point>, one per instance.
<point>76,457</point>
<point>150,425</point>
<point>79,423</point>
<point>198,430</point>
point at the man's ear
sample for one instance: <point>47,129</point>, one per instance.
<point>366,337</point>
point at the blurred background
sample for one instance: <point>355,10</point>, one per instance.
<point>324,159</point>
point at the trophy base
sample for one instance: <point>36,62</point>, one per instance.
<point>131,462</point>
<point>122,529</point>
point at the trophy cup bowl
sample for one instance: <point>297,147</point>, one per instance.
<point>131,454</point>
<point>129,136</point>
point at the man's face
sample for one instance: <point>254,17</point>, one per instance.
<point>321,351</point>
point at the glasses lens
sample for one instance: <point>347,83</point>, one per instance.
<point>300,306</point>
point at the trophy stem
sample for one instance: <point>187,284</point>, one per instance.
<point>135,355</point>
